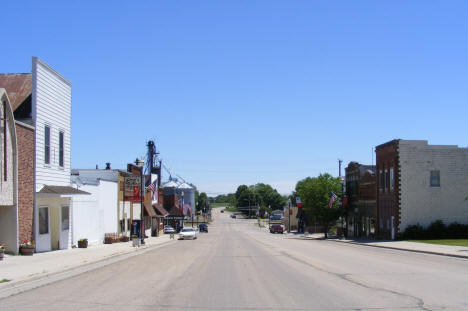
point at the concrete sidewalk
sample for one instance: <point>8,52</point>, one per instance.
<point>435,249</point>
<point>23,269</point>
<point>426,248</point>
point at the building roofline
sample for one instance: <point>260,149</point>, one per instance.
<point>388,143</point>
<point>40,61</point>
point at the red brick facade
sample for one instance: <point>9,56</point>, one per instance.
<point>25,141</point>
<point>388,200</point>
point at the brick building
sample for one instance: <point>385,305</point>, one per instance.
<point>420,183</point>
<point>361,194</point>
<point>25,141</point>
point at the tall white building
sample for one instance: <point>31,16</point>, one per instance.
<point>51,115</point>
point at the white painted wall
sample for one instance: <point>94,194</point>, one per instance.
<point>423,204</point>
<point>109,204</point>
<point>95,214</point>
<point>8,188</point>
<point>9,228</point>
<point>85,218</point>
<point>51,105</point>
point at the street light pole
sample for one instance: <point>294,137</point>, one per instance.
<point>342,210</point>
<point>289,215</point>
<point>142,193</point>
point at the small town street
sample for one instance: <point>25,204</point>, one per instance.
<point>238,266</point>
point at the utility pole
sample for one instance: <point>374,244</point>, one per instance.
<point>342,210</point>
<point>142,193</point>
<point>289,214</point>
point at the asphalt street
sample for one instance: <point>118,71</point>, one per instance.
<point>238,266</point>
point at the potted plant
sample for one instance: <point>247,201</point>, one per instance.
<point>83,243</point>
<point>2,251</point>
<point>26,248</point>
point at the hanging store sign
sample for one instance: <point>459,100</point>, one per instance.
<point>169,217</point>
<point>132,188</point>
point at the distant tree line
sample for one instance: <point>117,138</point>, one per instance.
<point>261,195</point>
<point>314,193</point>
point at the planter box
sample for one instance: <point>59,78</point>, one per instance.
<point>124,239</point>
<point>26,250</point>
<point>83,244</point>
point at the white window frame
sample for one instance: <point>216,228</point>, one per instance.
<point>63,149</point>
<point>47,154</point>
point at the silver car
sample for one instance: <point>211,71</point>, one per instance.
<point>188,233</point>
<point>168,229</point>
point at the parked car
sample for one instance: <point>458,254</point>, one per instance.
<point>277,228</point>
<point>168,229</point>
<point>222,211</point>
<point>233,216</point>
<point>203,228</point>
<point>188,234</point>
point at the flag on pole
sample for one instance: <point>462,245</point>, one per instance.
<point>152,187</point>
<point>333,198</point>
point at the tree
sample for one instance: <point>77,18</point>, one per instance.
<point>315,195</point>
<point>269,198</point>
<point>202,202</point>
<point>229,198</point>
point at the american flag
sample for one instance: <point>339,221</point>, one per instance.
<point>333,198</point>
<point>152,187</point>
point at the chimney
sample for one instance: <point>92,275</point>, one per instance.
<point>108,167</point>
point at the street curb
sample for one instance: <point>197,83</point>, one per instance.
<point>21,286</point>
<point>405,249</point>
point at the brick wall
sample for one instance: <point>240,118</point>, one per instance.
<point>388,198</point>
<point>25,140</point>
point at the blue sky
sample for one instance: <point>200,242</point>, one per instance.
<point>240,92</point>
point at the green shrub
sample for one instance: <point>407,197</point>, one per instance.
<point>414,232</point>
<point>436,230</point>
<point>457,231</point>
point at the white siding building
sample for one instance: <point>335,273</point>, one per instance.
<point>51,114</point>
